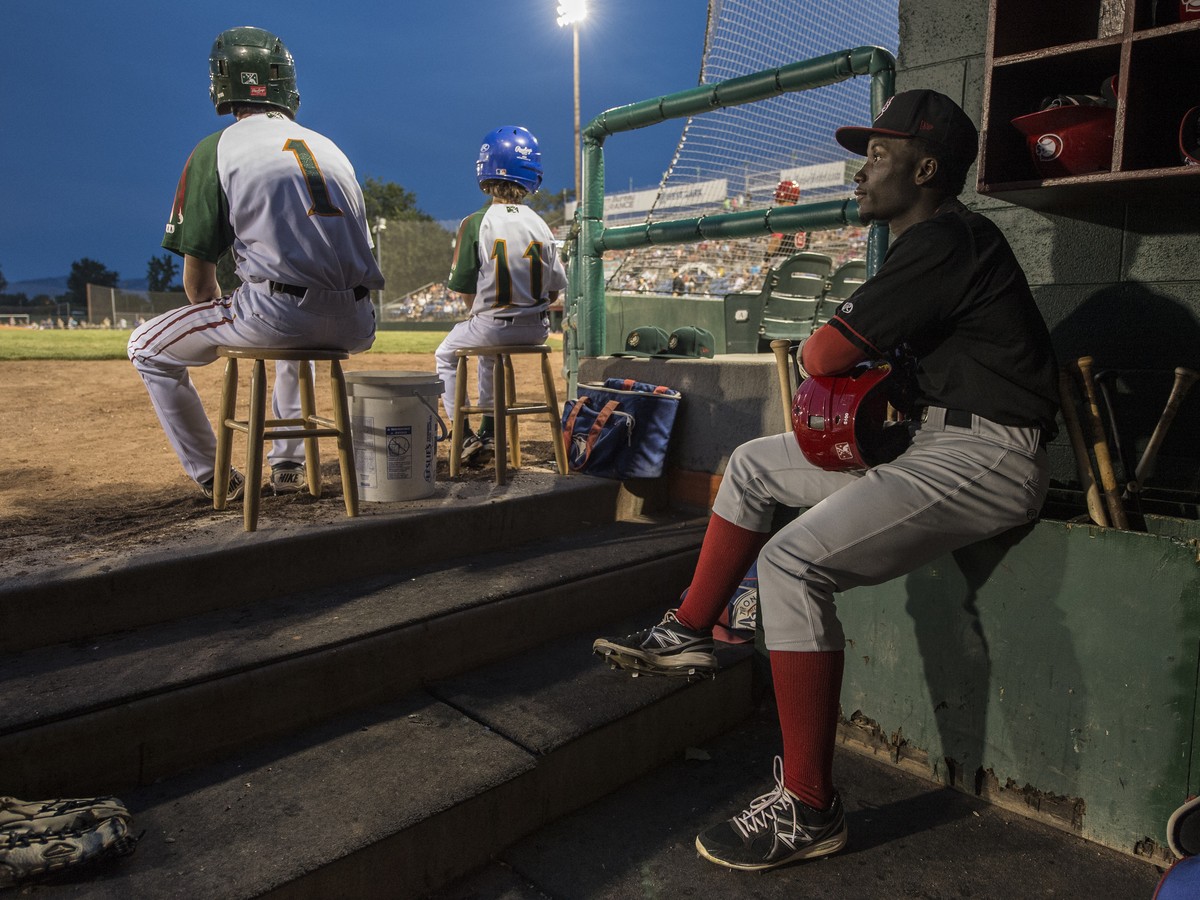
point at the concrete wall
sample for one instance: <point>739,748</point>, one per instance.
<point>725,402</point>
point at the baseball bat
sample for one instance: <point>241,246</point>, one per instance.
<point>780,348</point>
<point>1108,478</point>
<point>1184,379</point>
<point>1083,463</point>
<point>1105,381</point>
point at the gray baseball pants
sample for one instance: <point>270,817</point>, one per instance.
<point>954,486</point>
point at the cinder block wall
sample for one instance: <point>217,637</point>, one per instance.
<point>1117,280</point>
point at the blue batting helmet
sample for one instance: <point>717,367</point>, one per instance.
<point>510,153</point>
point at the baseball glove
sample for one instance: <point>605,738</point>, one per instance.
<point>44,837</point>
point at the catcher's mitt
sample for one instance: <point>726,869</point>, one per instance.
<point>44,837</point>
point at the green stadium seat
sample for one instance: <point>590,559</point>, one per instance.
<point>842,283</point>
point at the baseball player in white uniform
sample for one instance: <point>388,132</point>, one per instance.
<point>286,199</point>
<point>506,262</point>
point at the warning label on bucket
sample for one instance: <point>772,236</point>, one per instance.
<point>399,451</point>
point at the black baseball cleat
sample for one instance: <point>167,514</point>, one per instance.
<point>667,648</point>
<point>775,830</point>
<point>478,449</point>
<point>237,486</point>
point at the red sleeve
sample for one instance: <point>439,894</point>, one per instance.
<point>827,352</point>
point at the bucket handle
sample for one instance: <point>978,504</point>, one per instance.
<point>443,431</point>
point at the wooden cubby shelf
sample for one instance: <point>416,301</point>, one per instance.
<point>1037,50</point>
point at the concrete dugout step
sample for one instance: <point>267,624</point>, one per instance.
<point>225,567</point>
<point>165,698</point>
<point>407,796</point>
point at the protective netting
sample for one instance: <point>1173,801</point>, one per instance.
<point>736,158</point>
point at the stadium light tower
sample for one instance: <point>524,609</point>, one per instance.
<point>572,12</point>
<point>378,229</point>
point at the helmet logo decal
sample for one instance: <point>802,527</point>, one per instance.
<point>523,152</point>
<point>843,451</point>
<point>1048,146</point>
<point>249,78</point>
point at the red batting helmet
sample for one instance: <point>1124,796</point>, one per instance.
<point>1189,137</point>
<point>1071,136</point>
<point>787,192</point>
<point>840,421</point>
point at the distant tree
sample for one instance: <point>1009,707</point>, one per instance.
<point>3,282</point>
<point>413,254</point>
<point>551,207</point>
<point>161,272</point>
<point>84,272</point>
<point>388,200</point>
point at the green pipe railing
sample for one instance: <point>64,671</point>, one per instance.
<point>583,326</point>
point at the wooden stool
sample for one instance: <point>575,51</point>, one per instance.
<point>505,408</point>
<point>258,428</point>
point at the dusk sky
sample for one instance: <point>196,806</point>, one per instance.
<point>100,103</point>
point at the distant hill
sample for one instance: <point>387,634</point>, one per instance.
<point>54,287</point>
<point>34,287</point>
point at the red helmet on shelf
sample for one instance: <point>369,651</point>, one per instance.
<point>1189,137</point>
<point>1069,140</point>
<point>787,192</point>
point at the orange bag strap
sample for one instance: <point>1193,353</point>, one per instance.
<point>594,432</point>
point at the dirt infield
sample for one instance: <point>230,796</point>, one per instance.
<point>88,474</point>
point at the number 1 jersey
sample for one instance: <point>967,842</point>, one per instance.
<point>284,197</point>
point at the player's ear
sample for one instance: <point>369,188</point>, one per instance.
<point>925,169</point>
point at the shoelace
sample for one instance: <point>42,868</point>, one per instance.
<point>665,637</point>
<point>768,809</point>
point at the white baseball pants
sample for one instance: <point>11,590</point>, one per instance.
<point>164,348</point>
<point>484,331</point>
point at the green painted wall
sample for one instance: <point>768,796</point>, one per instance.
<point>625,312</point>
<point>1060,660</point>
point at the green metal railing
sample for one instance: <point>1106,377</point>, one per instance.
<point>583,326</point>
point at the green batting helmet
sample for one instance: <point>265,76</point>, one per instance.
<point>250,65</point>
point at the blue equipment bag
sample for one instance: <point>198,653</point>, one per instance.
<point>620,429</point>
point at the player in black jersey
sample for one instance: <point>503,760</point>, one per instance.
<point>951,295</point>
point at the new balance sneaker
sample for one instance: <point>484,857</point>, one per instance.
<point>668,648</point>
<point>775,830</point>
<point>288,478</point>
<point>478,449</point>
<point>237,486</point>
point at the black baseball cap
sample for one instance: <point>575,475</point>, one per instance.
<point>925,114</point>
<point>645,340</point>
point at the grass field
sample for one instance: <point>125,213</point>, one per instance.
<point>20,343</point>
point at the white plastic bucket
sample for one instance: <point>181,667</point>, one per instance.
<point>392,421</point>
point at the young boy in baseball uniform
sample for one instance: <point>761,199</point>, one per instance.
<point>950,292</point>
<point>286,199</point>
<point>506,264</point>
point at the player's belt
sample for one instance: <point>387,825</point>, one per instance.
<point>959,418</point>
<point>278,287</point>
